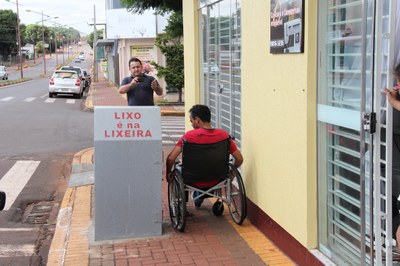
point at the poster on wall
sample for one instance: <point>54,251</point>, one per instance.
<point>146,54</point>
<point>287,26</point>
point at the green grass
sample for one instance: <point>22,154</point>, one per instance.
<point>13,81</point>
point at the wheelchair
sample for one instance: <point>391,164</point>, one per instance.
<point>204,163</point>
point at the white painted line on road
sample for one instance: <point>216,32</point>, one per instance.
<point>175,136</point>
<point>172,130</point>
<point>15,180</point>
<point>30,99</point>
<point>71,101</point>
<point>168,142</point>
<point>6,99</point>
<point>19,229</point>
<point>173,127</point>
<point>16,250</point>
<point>50,100</point>
<point>44,95</point>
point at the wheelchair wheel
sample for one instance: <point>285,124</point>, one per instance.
<point>237,198</point>
<point>177,201</point>
<point>218,208</point>
<point>2,200</point>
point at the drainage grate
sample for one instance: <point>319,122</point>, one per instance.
<point>38,213</point>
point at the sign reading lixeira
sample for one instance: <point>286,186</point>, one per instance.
<point>127,123</point>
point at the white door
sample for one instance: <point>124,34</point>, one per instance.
<point>220,54</point>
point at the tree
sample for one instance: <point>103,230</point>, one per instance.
<point>90,38</point>
<point>162,6</point>
<point>8,32</point>
<point>169,42</point>
<point>170,45</point>
<point>33,33</point>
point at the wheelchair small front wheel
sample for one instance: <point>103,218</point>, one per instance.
<point>218,208</point>
<point>177,201</point>
<point>237,197</point>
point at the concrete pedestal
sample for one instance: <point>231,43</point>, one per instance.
<point>128,172</point>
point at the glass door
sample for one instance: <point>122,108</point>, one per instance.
<point>220,56</point>
<point>355,40</point>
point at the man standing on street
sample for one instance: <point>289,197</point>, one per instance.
<point>139,87</point>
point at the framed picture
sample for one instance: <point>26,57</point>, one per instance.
<point>287,26</point>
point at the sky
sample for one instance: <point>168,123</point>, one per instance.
<point>71,13</point>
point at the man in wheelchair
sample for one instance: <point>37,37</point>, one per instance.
<point>204,137</point>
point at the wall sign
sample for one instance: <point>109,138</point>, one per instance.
<point>287,26</point>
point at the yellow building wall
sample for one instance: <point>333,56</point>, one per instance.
<point>191,55</point>
<point>278,117</point>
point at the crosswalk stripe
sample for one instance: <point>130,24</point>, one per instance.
<point>30,99</point>
<point>176,136</point>
<point>15,180</point>
<point>6,99</point>
<point>23,229</point>
<point>168,142</point>
<point>71,101</point>
<point>16,250</point>
<point>50,100</point>
<point>174,126</point>
<point>172,130</point>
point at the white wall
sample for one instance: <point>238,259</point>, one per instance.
<point>122,24</point>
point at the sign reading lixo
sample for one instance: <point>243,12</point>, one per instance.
<point>127,123</point>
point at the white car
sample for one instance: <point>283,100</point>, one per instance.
<point>66,82</point>
<point>3,73</point>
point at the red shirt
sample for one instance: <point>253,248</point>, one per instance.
<point>206,136</point>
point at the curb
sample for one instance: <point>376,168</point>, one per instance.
<point>12,82</point>
<point>69,211</point>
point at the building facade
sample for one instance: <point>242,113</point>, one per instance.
<point>299,84</point>
<point>128,35</point>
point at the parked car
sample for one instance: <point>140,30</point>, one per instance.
<point>3,73</point>
<point>88,79</point>
<point>79,70</point>
<point>81,57</point>
<point>74,68</point>
<point>66,82</point>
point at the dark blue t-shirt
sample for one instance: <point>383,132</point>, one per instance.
<point>142,93</point>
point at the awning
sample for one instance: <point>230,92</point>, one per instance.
<point>104,42</point>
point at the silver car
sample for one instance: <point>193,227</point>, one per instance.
<point>66,82</point>
<point>3,73</point>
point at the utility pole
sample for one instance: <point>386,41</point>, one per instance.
<point>19,44</point>
<point>95,74</point>
<point>44,48</point>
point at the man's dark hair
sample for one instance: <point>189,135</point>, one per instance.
<point>134,59</point>
<point>201,111</point>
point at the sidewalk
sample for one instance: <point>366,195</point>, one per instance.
<point>208,240</point>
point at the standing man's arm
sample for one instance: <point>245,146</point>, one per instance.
<point>124,88</point>
<point>156,87</point>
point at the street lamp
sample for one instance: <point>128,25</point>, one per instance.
<point>43,47</point>
<point>19,44</point>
